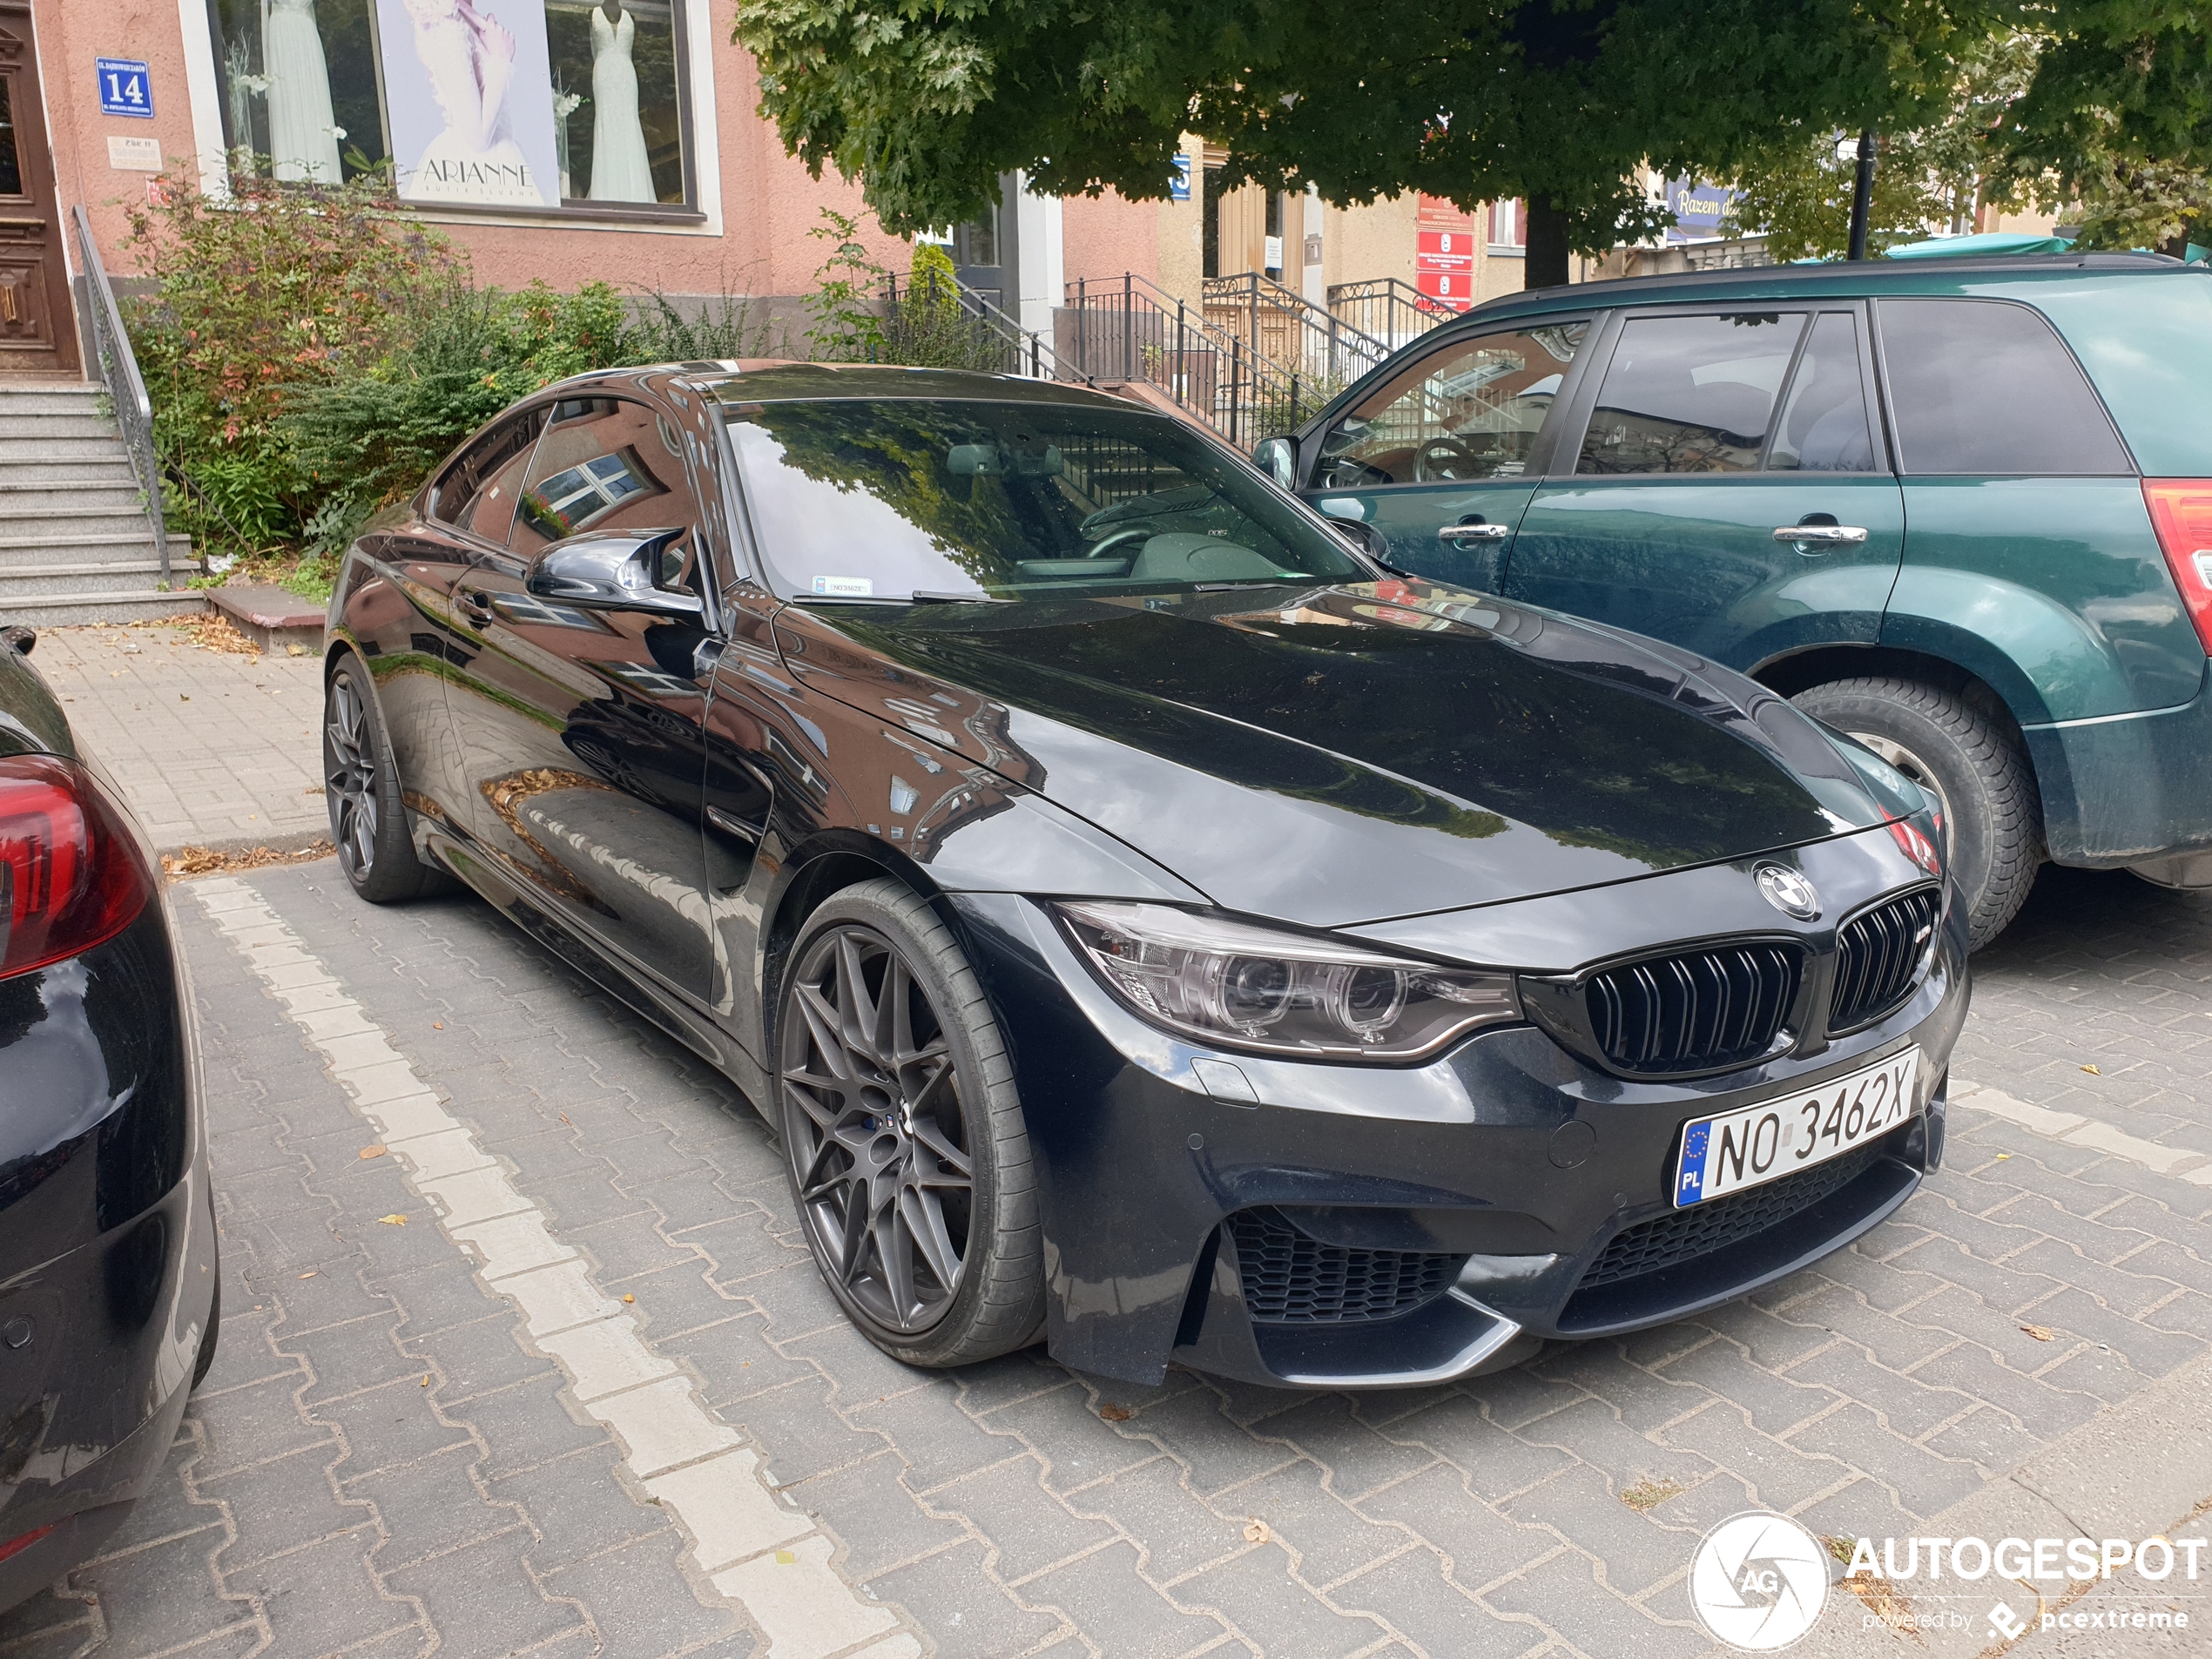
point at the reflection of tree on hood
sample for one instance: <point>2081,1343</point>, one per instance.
<point>895,452</point>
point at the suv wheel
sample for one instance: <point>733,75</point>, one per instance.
<point>907,1153</point>
<point>1992,820</point>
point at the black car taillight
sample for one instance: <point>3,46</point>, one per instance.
<point>2180,511</point>
<point>71,872</point>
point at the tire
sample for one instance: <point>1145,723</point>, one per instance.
<point>367,823</point>
<point>205,1362</point>
<point>1992,820</point>
<point>935,1265</point>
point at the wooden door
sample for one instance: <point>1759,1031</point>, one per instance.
<point>37,324</point>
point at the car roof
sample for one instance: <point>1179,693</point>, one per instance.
<point>778,381</point>
<point>1833,279</point>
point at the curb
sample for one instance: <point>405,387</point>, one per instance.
<point>290,841</point>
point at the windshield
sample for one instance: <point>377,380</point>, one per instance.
<point>894,497</point>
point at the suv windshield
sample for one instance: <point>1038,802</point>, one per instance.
<point>896,498</point>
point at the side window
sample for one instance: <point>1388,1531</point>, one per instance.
<point>478,491</point>
<point>1470,410</point>
<point>608,464</point>
<point>1823,426</point>
<point>1980,386</point>
<point>1690,394</point>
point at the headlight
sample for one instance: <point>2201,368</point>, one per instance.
<point>1233,985</point>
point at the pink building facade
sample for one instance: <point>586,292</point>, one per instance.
<point>567,140</point>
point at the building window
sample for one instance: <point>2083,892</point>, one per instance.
<point>298,79</point>
<point>1508,231</point>
<point>543,104</point>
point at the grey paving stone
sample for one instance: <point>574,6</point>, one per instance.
<point>936,1440</point>
<point>1411,1591</point>
<point>1562,1595</point>
<point>1926,1483</point>
<point>1255,1592</point>
<point>1327,1537</point>
<point>483,1600</point>
<point>1102,1594</point>
<point>432,1506</point>
<point>1636,1551</point>
<point>643,1604</point>
<point>1078,1448</point>
<point>1475,1541</point>
<point>881,1523</point>
<point>1029,1529</point>
<point>1494,1462</point>
<point>969,1615</point>
<point>566,1499</point>
<point>1176,1531</point>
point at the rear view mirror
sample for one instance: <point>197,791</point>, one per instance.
<point>1277,458</point>
<point>612,573</point>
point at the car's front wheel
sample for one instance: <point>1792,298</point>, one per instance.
<point>362,786</point>
<point>1993,822</point>
<point>907,1153</point>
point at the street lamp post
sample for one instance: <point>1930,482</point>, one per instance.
<point>1862,195</point>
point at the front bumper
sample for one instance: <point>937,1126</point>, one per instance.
<point>1496,1175</point>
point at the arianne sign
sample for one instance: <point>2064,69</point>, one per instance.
<point>469,92</point>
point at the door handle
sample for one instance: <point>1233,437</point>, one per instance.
<point>473,606</point>
<point>1821,534</point>
<point>1474,533</point>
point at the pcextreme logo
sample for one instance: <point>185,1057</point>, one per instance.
<point>1758,1581</point>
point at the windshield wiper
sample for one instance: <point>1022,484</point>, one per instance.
<point>1284,581</point>
<point>922,597</point>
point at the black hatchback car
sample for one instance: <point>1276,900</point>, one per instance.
<point>1148,923</point>
<point>108,1296</point>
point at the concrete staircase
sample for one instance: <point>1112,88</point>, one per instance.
<point>75,545</point>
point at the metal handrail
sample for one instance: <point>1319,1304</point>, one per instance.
<point>1290,330</point>
<point>1028,355</point>
<point>1388,308</point>
<point>127,388</point>
<point>1127,329</point>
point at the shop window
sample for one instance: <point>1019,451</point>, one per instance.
<point>509,103</point>
<point>298,84</point>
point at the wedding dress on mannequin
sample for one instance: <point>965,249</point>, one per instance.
<point>303,137</point>
<point>620,170</point>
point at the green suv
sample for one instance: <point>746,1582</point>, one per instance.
<point>1963,512</point>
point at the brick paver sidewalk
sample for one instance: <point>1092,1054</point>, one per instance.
<point>214,749</point>
<point>409,1445</point>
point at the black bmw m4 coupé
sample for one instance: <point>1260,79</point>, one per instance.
<point>1149,924</point>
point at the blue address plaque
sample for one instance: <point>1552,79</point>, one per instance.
<point>125,87</point>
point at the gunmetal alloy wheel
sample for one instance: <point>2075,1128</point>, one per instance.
<point>909,1157</point>
<point>375,850</point>
<point>350,748</point>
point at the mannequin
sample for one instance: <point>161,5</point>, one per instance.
<point>303,134</point>
<point>620,170</point>
<point>469,59</point>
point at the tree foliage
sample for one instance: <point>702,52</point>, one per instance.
<point>925,102</point>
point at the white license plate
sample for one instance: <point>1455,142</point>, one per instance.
<point>1776,1138</point>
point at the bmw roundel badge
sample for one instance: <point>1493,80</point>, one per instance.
<point>1788,892</point>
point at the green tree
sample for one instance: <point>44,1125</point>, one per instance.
<point>1556,102</point>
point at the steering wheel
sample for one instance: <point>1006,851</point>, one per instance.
<point>1432,461</point>
<point>1113,538</point>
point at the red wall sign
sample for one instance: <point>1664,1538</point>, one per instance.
<point>1443,251</point>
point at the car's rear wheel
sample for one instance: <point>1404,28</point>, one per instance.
<point>367,823</point>
<point>1993,822</point>
<point>909,1157</point>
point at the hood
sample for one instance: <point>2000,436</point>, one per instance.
<point>1346,753</point>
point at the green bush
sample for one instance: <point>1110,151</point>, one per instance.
<point>927,327</point>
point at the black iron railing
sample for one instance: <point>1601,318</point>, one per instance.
<point>1387,309</point>
<point>975,333</point>
<point>1130,331</point>
<point>127,389</point>
<point>1289,330</point>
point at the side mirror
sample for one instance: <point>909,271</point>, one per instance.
<point>1277,458</point>
<point>612,573</point>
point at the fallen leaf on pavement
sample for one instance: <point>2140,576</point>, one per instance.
<point>785,1558</point>
<point>371,1152</point>
<point>425,1381</point>
<point>1256,1532</point>
<point>627,1297</point>
<point>2040,1332</point>
<point>393,1221</point>
<point>310,1273</point>
<point>1115,1413</point>
<point>2093,1071</point>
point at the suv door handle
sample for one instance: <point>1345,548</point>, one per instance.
<point>1821,534</point>
<point>474,605</point>
<point>1474,533</point>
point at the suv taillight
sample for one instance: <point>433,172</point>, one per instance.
<point>2180,511</point>
<point>70,873</point>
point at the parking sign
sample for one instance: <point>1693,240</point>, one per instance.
<point>125,88</point>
